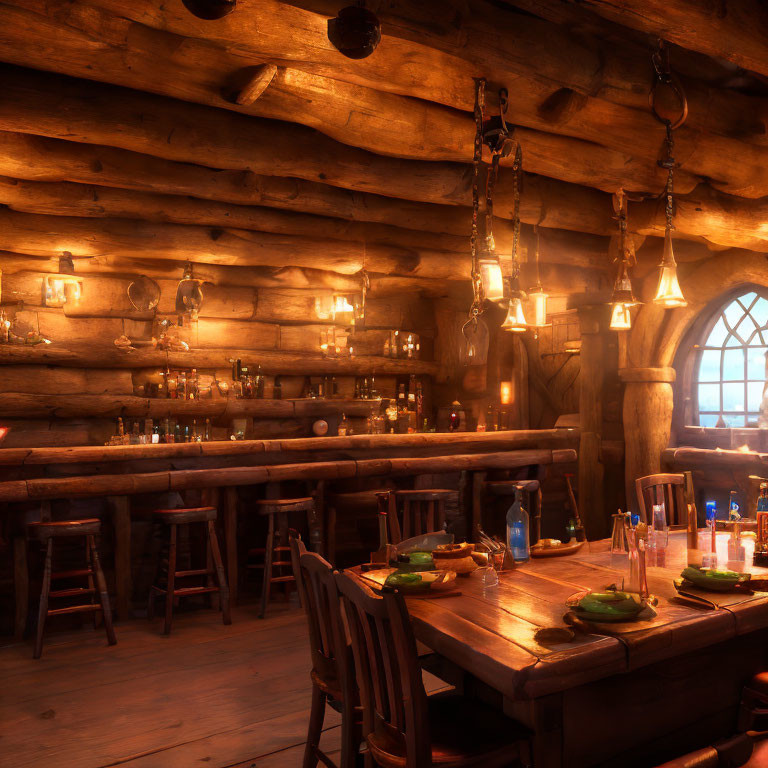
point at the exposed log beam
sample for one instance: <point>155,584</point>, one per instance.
<point>734,31</point>
<point>449,81</point>
<point>76,355</point>
<point>70,199</point>
<point>41,235</point>
<point>380,122</point>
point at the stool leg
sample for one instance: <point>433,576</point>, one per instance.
<point>220,576</point>
<point>267,566</point>
<point>106,610</point>
<point>330,536</point>
<point>91,584</point>
<point>43,610</point>
<point>170,585</point>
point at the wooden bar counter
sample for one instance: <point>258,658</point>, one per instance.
<point>38,475</point>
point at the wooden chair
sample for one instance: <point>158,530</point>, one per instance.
<point>728,753</point>
<point>46,532</point>
<point>413,513</point>
<point>333,673</point>
<point>667,489</point>
<point>277,569</point>
<point>402,726</point>
<point>174,518</point>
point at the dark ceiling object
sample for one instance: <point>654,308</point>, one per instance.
<point>355,32</point>
<point>210,9</point>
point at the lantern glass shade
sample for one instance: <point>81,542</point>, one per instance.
<point>189,294</point>
<point>474,342</point>
<point>505,392</point>
<point>621,319</point>
<point>324,306</point>
<point>515,320</point>
<point>539,304</point>
<point>343,309</point>
<point>668,293</point>
<point>491,278</point>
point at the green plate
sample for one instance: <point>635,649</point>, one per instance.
<point>699,579</point>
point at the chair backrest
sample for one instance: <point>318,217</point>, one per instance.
<point>413,513</point>
<point>391,687</point>
<point>667,489</point>
<point>320,599</point>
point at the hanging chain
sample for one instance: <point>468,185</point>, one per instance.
<point>517,167</point>
<point>669,164</point>
<point>537,244</point>
<point>477,298</point>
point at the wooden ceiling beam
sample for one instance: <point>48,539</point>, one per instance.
<point>734,31</point>
<point>384,123</point>
<point>89,201</point>
<point>556,104</point>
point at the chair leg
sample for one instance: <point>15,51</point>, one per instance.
<point>350,737</point>
<point>316,717</point>
<point>268,553</point>
<point>91,584</point>
<point>220,575</point>
<point>101,584</point>
<point>43,610</point>
<point>171,582</point>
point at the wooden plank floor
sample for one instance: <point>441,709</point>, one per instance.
<point>208,695</point>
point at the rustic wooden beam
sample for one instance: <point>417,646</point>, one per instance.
<point>545,202</point>
<point>454,64</point>
<point>506,440</point>
<point>81,355</point>
<point>732,31</point>
<point>89,486</point>
<point>257,83</point>
<point>70,199</point>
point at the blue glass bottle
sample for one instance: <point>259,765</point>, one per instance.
<point>517,530</point>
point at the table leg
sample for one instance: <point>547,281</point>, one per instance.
<point>120,509</point>
<point>230,541</point>
<point>21,585</point>
<point>478,486</point>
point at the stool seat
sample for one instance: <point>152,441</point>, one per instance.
<point>183,516</point>
<point>507,487</point>
<point>426,494</point>
<point>275,506</point>
<point>47,530</point>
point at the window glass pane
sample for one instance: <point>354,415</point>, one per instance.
<point>717,336</point>
<point>735,419</point>
<point>760,312</point>
<point>707,419</point>
<point>733,313</point>
<point>752,419</point>
<point>733,341</point>
<point>733,397</point>
<point>733,365</point>
<point>709,397</point>
<point>747,299</point>
<point>755,363</point>
<point>709,369</point>
<point>755,394</point>
<point>746,328</point>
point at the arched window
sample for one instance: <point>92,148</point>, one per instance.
<point>731,370</point>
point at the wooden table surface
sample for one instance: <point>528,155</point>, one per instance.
<point>489,632</point>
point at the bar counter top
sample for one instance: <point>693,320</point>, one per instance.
<point>416,444</point>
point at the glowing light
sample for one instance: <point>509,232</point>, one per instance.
<point>491,278</point>
<point>515,320</point>
<point>621,319</point>
<point>668,293</point>
<point>505,392</point>
<point>539,301</point>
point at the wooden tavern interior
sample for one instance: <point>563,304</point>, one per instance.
<point>284,282</point>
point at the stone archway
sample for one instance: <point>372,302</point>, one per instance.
<point>653,343</point>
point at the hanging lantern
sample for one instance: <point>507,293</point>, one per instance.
<point>515,320</point>
<point>668,293</point>
<point>491,278</point>
<point>539,304</point>
<point>324,306</point>
<point>189,294</point>
<point>621,320</point>
<point>344,309</point>
<point>474,342</point>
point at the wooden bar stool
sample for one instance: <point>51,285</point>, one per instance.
<point>277,556</point>
<point>174,518</point>
<point>88,529</point>
<point>413,513</point>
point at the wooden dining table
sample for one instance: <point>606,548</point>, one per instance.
<point>628,694</point>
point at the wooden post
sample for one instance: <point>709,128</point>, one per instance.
<point>647,412</point>
<point>591,470</point>
<point>21,585</point>
<point>120,509</point>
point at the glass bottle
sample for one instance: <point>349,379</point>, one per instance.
<point>762,499</point>
<point>659,537</point>
<point>181,385</point>
<point>733,507</point>
<point>517,529</point>
<point>259,383</point>
<point>207,437</point>
<point>343,426</point>
<point>194,390</point>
